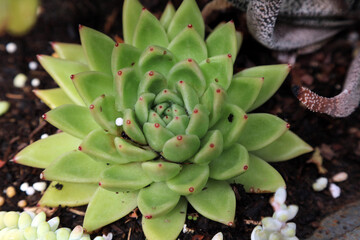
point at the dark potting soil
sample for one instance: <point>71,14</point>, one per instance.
<point>322,71</point>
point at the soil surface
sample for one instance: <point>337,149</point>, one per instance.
<point>322,71</point>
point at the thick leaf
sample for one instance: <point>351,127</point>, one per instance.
<point>22,16</point>
<point>72,119</point>
<point>243,91</point>
<point>149,32</point>
<point>188,44</point>
<point>131,13</point>
<point>53,97</point>
<point>214,99</point>
<point>199,121</point>
<point>211,148</point>
<point>216,202</point>
<point>157,200</point>
<point>152,82</point>
<point>156,135</point>
<point>98,48</point>
<point>260,177</point>
<point>187,13</point>
<point>126,86</point>
<point>107,207</point>
<point>74,166</point>
<point>127,150</point>
<point>132,128</point>
<point>91,85</point>
<point>168,96</point>
<point>160,170</point>
<point>181,147</point>
<point>68,194</point>
<point>167,15</point>
<point>61,70</point>
<point>178,124</point>
<point>273,75</point>
<point>223,41</point>
<point>44,151</point>
<point>156,59</point>
<point>286,147</point>
<point>166,227</point>
<point>261,130</point>
<point>218,69</point>
<point>123,56</point>
<point>142,107</point>
<point>189,95</point>
<point>69,51</point>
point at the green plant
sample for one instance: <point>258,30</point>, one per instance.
<point>185,135</point>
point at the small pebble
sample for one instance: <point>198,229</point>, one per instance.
<point>30,191</point>
<point>10,192</point>
<point>334,190</point>
<point>22,203</point>
<point>119,122</point>
<point>218,236</point>
<point>109,236</point>
<point>20,80</point>
<point>320,184</point>
<point>33,65</point>
<point>2,201</point>
<point>35,82</point>
<point>45,135</point>
<point>340,177</point>
<point>39,186</point>
<point>11,47</point>
<point>4,107</point>
<point>24,186</point>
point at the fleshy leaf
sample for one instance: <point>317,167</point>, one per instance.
<point>157,59</point>
<point>126,86</point>
<point>91,85</point>
<point>44,151</point>
<point>149,32</point>
<point>286,147</point>
<point>68,194</point>
<point>190,180</point>
<point>131,13</point>
<point>107,207</point>
<point>152,82</point>
<point>199,121</point>
<point>74,166</point>
<point>261,130</point>
<point>131,152</point>
<point>168,96</point>
<point>61,70</point>
<point>156,135</point>
<point>53,97</point>
<point>260,177</point>
<point>231,163</point>
<point>218,69</point>
<point>168,226</point>
<point>132,128</point>
<point>273,75</point>
<point>157,200</point>
<point>216,202</point>
<point>188,44</point>
<point>243,91</point>
<point>142,107</point>
<point>181,147</point>
<point>160,170</point>
<point>22,16</point>
<point>72,119</point>
<point>189,95</point>
<point>178,124</point>
<point>124,56</point>
<point>187,13</point>
<point>70,51</point>
<point>214,99</point>
<point>97,57</point>
<point>167,15</point>
<point>211,148</point>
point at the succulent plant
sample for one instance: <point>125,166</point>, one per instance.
<point>158,121</point>
<point>31,226</point>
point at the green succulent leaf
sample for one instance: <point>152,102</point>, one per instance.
<point>199,121</point>
<point>131,13</point>
<point>214,99</point>
<point>22,16</point>
<point>160,170</point>
<point>156,135</point>
<point>178,124</point>
<point>157,59</point>
<point>239,38</point>
<point>286,147</point>
<point>44,151</point>
<point>181,147</point>
<point>261,130</point>
<point>72,119</point>
<point>53,97</point>
<point>260,177</point>
<point>106,207</point>
<point>70,51</point>
<point>169,96</point>
<point>68,194</point>
<point>132,128</point>
<point>167,15</point>
<point>216,202</point>
<point>142,107</point>
<point>188,94</point>
<point>153,82</point>
<point>124,56</point>
<point>132,153</point>
<point>168,226</point>
<point>218,69</point>
<point>157,200</point>
<point>97,58</point>
<point>126,86</point>
<point>211,148</point>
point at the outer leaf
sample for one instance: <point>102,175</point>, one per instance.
<point>261,130</point>
<point>187,13</point>
<point>156,59</point>
<point>70,51</point>
<point>156,135</point>
<point>61,70</point>
<point>167,15</point>
<point>273,75</point>
<point>149,32</point>
<point>132,128</point>
<point>214,99</point>
<point>123,56</point>
<point>53,97</point>
<point>73,119</point>
<point>181,147</point>
<point>132,153</point>
<point>44,151</point>
<point>27,11</point>
<point>218,69</point>
<point>131,14</point>
<point>68,194</point>
<point>160,170</point>
<point>166,227</point>
<point>107,207</point>
<point>260,177</point>
<point>126,86</point>
<point>216,202</point>
<point>211,148</point>
<point>286,147</point>
<point>97,57</point>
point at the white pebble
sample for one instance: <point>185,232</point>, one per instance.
<point>340,177</point>
<point>320,184</point>
<point>109,236</point>
<point>33,65</point>
<point>35,82</point>
<point>119,122</point>
<point>20,80</point>
<point>30,191</point>
<point>39,186</point>
<point>24,186</point>
<point>334,190</point>
<point>45,135</point>
<point>11,47</point>
<point>218,236</point>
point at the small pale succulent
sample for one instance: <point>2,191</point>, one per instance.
<point>158,121</point>
<point>31,226</point>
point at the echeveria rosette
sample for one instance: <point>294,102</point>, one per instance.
<point>185,135</point>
